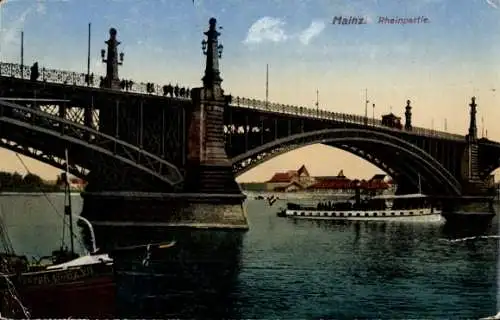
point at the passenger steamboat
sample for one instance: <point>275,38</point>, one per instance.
<point>381,207</point>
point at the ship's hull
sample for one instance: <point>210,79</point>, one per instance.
<point>92,298</point>
<point>82,292</point>
<point>470,212</point>
<point>361,214</point>
<point>470,219</point>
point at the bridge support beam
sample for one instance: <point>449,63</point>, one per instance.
<point>208,167</point>
<point>475,207</point>
<point>471,181</point>
<point>205,222</point>
<point>210,197</point>
<point>209,172</point>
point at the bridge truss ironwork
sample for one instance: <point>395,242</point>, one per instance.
<point>38,125</point>
<point>44,157</point>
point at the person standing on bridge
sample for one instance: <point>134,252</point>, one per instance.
<point>34,75</point>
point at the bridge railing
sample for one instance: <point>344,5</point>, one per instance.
<point>81,79</point>
<point>47,75</point>
<point>335,116</point>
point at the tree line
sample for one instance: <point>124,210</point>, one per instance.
<point>15,182</point>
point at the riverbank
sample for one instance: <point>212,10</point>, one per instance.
<point>36,193</point>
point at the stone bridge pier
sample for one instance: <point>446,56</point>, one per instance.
<point>209,173</point>
<point>205,220</point>
<point>210,198</point>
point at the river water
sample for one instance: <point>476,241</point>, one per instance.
<point>318,269</point>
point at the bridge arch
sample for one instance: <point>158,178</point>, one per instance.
<point>384,160</point>
<point>421,161</point>
<point>40,155</point>
<point>26,130</point>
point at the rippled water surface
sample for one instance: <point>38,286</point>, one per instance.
<point>316,269</point>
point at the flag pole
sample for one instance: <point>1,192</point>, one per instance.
<point>267,85</point>
<point>22,54</point>
<point>1,33</point>
<point>88,57</point>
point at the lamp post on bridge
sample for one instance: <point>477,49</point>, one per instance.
<point>373,114</point>
<point>317,102</point>
<point>22,54</point>
<point>208,169</point>
<point>366,106</point>
<point>112,81</point>
<point>213,51</point>
<point>472,136</point>
<point>408,124</point>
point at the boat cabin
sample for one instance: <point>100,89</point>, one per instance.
<point>405,201</point>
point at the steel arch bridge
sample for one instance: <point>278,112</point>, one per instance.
<point>42,136</point>
<point>404,161</point>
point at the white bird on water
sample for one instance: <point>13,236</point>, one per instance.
<point>497,316</point>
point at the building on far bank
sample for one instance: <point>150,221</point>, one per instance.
<point>75,184</point>
<point>291,187</point>
<point>342,184</point>
<point>292,180</point>
<point>301,181</point>
<point>339,183</point>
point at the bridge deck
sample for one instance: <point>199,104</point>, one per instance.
<point>78,83</point>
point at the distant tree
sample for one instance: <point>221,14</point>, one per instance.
<point>5,180</point>
<point>13,182</point>
<point>32,180</point>
<point>16,179</point>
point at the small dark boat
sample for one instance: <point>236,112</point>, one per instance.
<point>81,287</point>
<point>68,285</point>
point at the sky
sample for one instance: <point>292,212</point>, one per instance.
<point>438,65</point>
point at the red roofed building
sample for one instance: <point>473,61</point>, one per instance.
<point>291,180</point>
<point>300,180</point>
<point>338,183</point>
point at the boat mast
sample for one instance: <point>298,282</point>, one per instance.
<point>67,206</point>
